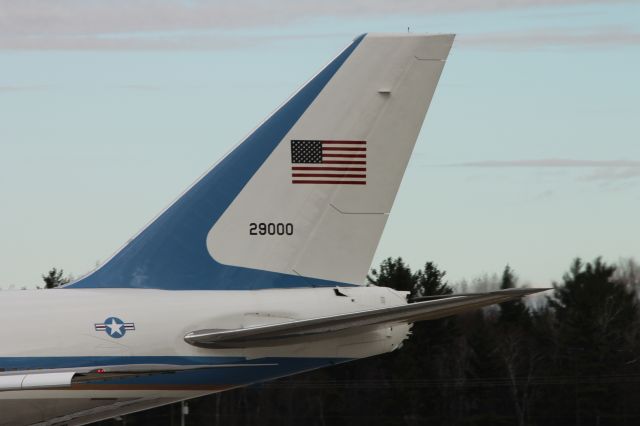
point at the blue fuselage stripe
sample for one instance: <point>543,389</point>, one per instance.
<point>236,375</point>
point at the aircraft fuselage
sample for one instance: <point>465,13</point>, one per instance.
<point>145,329</point>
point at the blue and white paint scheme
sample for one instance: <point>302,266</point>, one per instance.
<point>256,271</point>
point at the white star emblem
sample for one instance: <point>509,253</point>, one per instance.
<point>115,328</point>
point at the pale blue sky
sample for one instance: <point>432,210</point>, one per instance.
<point>529,154</point>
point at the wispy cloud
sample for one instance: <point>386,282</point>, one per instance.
<point>183,24</point>
<point>552,38</point>
<point>20,88</point>
<point>99,42</point>
<point>171,41</point>
<point>614,174</point>
<point>598,170</point>
<point>124,16</point>
<point>552,162</point>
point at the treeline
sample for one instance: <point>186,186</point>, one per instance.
<point>573,359</point>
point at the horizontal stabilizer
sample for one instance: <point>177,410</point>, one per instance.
<point>296,331</point>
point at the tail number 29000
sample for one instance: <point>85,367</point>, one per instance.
<point>270,228</point>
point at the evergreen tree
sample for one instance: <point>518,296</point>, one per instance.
<point>594,311</point>
<point>597,331</point>
<point>426,355</point>
<point>514,311</point>
<point>54,278</point>
<point>430,282</point>
<point>393,273</point>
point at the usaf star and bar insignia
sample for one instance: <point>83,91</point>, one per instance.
<point>115,327</point>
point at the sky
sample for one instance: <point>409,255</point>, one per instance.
<point>529,156</point>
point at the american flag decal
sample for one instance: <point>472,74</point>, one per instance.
<point>329,162</point>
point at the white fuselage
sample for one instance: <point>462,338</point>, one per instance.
<point>49,329</point>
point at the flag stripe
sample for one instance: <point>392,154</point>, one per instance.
<point>345,142</point>
<point>346,155</point>
<point>333,169</point>
<point>332,182</point>
<point>342,148</point>
<point>340,175</point>
<point>343,162</point>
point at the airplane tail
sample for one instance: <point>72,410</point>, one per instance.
<point>303,200</point>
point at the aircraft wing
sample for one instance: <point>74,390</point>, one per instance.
<point>296,331</point>
<point>75,411</point>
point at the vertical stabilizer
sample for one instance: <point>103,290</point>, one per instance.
<point>304,199</point>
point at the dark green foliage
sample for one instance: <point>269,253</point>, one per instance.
<point>573,361</point>
<point>597,335</point>
<point>54,278</point>
<point>393,273</point>
<point>430,282</point>
<point>592,310</point>
<point>514,312</point>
